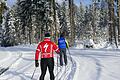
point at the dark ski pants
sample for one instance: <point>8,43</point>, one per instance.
<point>47,62</point>
<point>63,54</point>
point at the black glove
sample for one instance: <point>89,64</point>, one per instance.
<point>36,63</point>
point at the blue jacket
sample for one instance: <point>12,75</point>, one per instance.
<point>62,43</point>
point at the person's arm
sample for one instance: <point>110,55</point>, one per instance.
<point>58,42</point>
<point>37,56</point>
<point>67,45</point>
<point>55,47</point>
<point>37,52</point>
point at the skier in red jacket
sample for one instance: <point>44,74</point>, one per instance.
<point>46,49</point>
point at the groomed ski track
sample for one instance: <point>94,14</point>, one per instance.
<point>87,65</point>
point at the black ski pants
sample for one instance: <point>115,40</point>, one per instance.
<point>47,62</point>
<point>63,55</point>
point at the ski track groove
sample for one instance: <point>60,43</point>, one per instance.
<point>66,75</point>
<point>58,73</point>
<point>6,69</point>
<point>20,71</point>
<point>73,69</point>
<point>97,63</point>
<point>63,73</point>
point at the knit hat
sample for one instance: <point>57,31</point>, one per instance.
<point>61,35</point>
<point>47,35</point>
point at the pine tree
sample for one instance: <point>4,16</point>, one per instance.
<point>112,33</point>
<point>25,15</point>
<point>118,19</point>
<point>3,8</point>
<point>63,18</point>
<point>42,14</point>
<point>9,34</point>
<point>18,23</point>
<point>79,19</point>
<point>72,23</point>
<point>103,22</point>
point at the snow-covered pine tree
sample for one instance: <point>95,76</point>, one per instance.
<point>118,19</point>
<point>18,23</point>
<point>3,9</point>
<point>33,18</point>
<point>61,11</point>
<point>112,27</point>
<point>9,31</point>
<point>103,22</point>
<point>88,18</point>
<point>25,16</point>
<point>79,19</point>
<point>42,16</point>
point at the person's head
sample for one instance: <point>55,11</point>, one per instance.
<point>47,35</point>
<point>61,35</point>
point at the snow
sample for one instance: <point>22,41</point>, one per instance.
<point>86,64</point>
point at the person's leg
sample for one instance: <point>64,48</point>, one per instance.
<point>51,68</point>
<point>43,69</point>
<point>61,60</point>
<point>65,56</point>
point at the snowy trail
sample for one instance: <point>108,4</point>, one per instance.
<point>24,67</point>
<point>66,72</point>
<point>98,65</point>
<point>87,65</point>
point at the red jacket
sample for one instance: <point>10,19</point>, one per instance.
<point>46,49</point>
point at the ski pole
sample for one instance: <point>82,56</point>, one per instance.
<point>33,73</point>
<point>57,66</point>
<point>70,55</point>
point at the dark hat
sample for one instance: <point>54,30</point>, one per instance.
<point>61,35</point>
<point>47,35</point>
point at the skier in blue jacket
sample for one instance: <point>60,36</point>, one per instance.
<point>62,44</point>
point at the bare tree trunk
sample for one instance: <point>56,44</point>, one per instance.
<point>110,6</point>
<point>54,17</point>
<point>42,32</point>
<point>30,33</point>
<point>18,32</point>
<point>113,20</point>
<point>112,27</point>
<point>51,14</point>
<point>72,23</point>
<point>2,8</point>
<point>1,11</point>
<point>93,22</point>
<point>118,12</point>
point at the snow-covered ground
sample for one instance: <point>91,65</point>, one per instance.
<point>86,64</point>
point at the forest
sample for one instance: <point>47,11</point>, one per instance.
<point>27,21</point>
